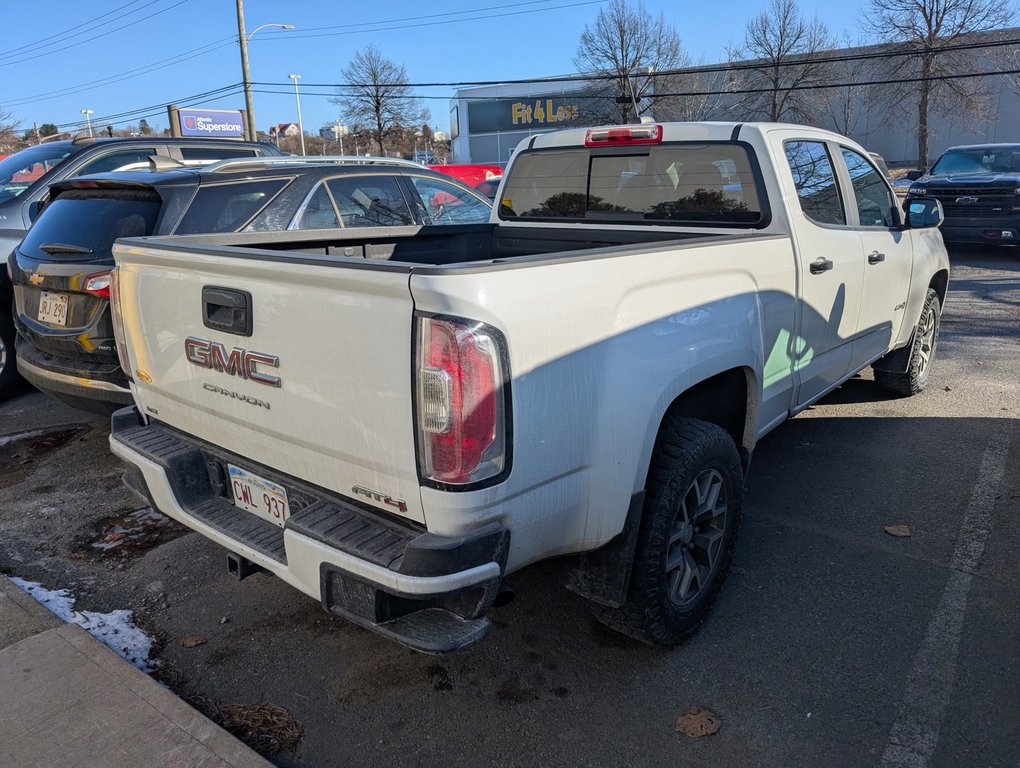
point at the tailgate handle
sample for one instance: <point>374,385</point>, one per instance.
<point>227,310</point>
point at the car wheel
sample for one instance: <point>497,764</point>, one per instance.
<point>9,378</point>
<point>922,352</point>
<point>688,527</point>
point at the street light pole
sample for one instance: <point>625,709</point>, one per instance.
<point>242,40</point>
<point>297,99</point>
<point>88,122</point>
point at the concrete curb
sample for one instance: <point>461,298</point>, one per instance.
<point>70,700</point>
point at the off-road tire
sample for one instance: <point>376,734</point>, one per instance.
<point>922,353</point>
<point>9,378</point>
<point>687,452</point>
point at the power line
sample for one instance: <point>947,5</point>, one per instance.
<point>445,21</point>
<point>62,49</point>
<point>77,29</point>
<point>134,113</point>
<point>121,76</point>
<point>732,67</point>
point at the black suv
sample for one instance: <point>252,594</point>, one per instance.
<point>61,270</point>
<point>25,178</point>
<point>979,188</point>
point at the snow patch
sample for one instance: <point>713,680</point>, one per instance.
<point>115,630</point>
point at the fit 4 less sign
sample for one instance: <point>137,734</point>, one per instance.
<point>523,113</point>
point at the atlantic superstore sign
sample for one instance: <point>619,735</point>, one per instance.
<point>220,123</point>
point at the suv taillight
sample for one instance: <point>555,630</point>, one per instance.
<point>462,400</point>
<point>98,285</point>
<point>117,318</point>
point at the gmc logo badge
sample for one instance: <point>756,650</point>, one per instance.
<point>237,362</point>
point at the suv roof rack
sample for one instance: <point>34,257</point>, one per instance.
<point>240,163</point>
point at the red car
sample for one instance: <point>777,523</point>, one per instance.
<point>472,175</point>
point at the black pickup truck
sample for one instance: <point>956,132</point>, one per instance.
<point>979,188</point>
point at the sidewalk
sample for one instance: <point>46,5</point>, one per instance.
<point>69,700</point>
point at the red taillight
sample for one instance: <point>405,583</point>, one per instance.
<point>461,420</point>
<point>97,285</point>
<point>623,136</point>
<point>117,316</point>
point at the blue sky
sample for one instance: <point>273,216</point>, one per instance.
<point>119,56</point>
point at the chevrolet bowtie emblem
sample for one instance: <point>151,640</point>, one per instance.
<point>35,279</point>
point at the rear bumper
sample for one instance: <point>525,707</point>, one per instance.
<point>427,592</point>
<point>60,376</point>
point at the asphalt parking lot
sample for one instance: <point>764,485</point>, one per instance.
<point>833,642</point>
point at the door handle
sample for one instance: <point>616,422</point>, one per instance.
<point>874,257</point>
<point>227,310</point>
<point>821,265</point>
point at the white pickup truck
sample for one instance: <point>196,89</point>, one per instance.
<point>394,421</point>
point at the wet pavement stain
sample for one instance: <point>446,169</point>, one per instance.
<point>21,449</point>
<point>132,535</point>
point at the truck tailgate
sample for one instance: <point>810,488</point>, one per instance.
<point>334,406</point>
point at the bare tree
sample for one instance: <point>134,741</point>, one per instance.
<point>922,26</point>
<point>783,48</point>
<point>377,95</point>
<point>695,94</point>
<point>851,100</point>
<point>625,48</point>
<point>9,141</point>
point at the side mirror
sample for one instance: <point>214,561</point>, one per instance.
<point>913,175</point>
<point>924,212</point>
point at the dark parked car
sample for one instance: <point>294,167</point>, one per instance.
<point>61,270</point>
<point>978,187</point>
<point>25,178</point>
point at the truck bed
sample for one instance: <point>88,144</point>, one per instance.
<point>431,245</point>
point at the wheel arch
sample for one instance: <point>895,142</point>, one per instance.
<point>728,399</point>
<point>940,283</point>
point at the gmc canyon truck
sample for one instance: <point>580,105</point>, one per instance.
<point>393,422</point>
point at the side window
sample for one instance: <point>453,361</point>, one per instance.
<point>115,161</point>
<point>874,203</point>
<point>370,201</point>
<point>815,181</point>
<point>227,207</point>
<point>319,212</point>
<point>211,154</point>
<point>445,203</point>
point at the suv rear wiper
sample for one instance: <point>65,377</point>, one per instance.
<point>53,248</point>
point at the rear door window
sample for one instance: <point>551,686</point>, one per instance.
<point>370,201</point>
<point>318,212</point>
<point>444,203</point>
<point>124,159</point>
<point>815,181</point>
<point>228,207</point>
<point>89,221</point>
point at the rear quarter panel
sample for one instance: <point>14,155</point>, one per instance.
<point>598,349</point>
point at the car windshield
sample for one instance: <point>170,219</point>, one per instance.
<point>20,170</point>
<point>978,160</point>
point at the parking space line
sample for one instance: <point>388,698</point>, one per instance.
<point>915,733</point>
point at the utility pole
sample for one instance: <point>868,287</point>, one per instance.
<point>242,39</point>
<point>297,98</point>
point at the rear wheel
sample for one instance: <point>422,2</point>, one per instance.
<point>922,352</point>
<point>688,526</point>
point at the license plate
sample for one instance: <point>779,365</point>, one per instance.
<point>53,308</point>
<point>258,495</point>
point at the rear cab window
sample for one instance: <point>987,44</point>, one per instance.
<point>91,219</point>
<point>711,183</point>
